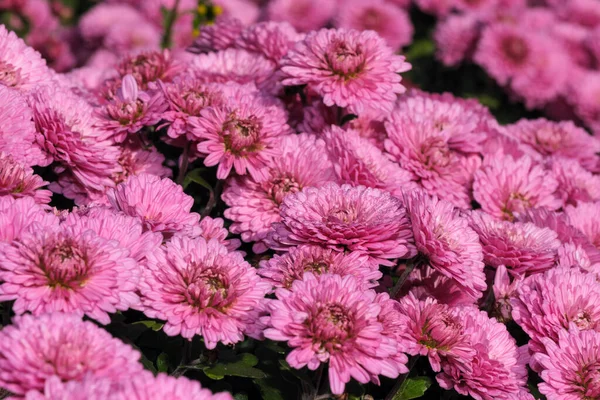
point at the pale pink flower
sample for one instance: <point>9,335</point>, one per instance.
<point>348,68</point>
<point>586,218</point>
<point>150,66</point>
<point>135,159</point>
<point>254,205</point>
<point>271,39</point>
<point>368,127</point>
<point>33,349</point>
<point>366,220</point>
<point>575,184</point>
<point>283,270</point>
<point>439,8</point>
<point>304,15</point>
<point>160,203</point>
<point>201,288</point>
<point>221,35</point>
<point>246,11</point>
<point>17,180</point>
<point>213,228</point>
<point>505,186</point>
<point>18,216</point>
<point>504,290</point>
<point>331,319</point>
<point>89,387</point>
<point>455,38</point>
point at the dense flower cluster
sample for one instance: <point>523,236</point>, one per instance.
<point>270,176</point>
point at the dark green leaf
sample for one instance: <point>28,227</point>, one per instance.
<point>155,326</point>
<point>196,177</point>
<point>268,390</point>
<point>162,362</point>
<point>241,396</point>
<point>413,388</point>
<point>148,364</point>
<point>243,367</point>
<point>420,48</point>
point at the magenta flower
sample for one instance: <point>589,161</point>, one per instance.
<point>569,369</point>
<point>504,290</point>
<point>348,68</point>
<point>330,319</point>
<point>368,221</point>
<point>304,15</point>
<point>455,38</point>
<point>150,66</point>
<point>575,184</point>
<point>17,180</point>
<point>88,388</point>
<point>254,205</point>
<point>283,270</point>
<point>18,215</point>
<point>219,36</point>
<point>586,218</point>
<point>160,203</point>
<point>358,162</point>
<point>200,288</point>
<point>135,159</point>
<point>212,228</point>
<point>445,242</point>
<point>33,349</point>
<point>524,248</point>
<point>548,303</point>
<point>270,39</point>
<point>505,186</point>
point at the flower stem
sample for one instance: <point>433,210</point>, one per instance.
<point>410,266</point>
<point>6,308</point>
<point>186,355</point>
<point>402,380</point>
<point>169,22</point>
<point>318,380</point>
<point>185,160</point>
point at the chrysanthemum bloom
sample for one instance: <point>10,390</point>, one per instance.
<point>114,225</point>
<point>358,162</point>
<point>348,68</point>
<point>438,8</point>
<point>431,329</point>
<point>445,241</point>
<point>366,220</point>
<point>575,184</point>
<point>563,139</point>
<point>569,369</point>
<point>505,186</point>
<point>254,205</point>
<point>241,136</point>
<point>212,228</point>
<point>17,180</point>
<point>219,36</point>
<point>121,39</point>
<point>524,248</point>
<point>17,215</point>
<point>573,256</point>
<point>186,97</point>
<point>235,65</point>
<point>455,38</point>
<point>368,127</point>
<point>21,67</point>
<point>160,203</point>
<point>388,20</point>
<point>393,323</point>
<point>88,388</point>
<point>200,288</point>
<point>271,39</point>
<point>283,270</point>
<point>246,11</point>
<point>548,303</point>
<point>504,290</point>
<point>68,270</point>
<point>332,319</point>
<point>304,15</point>
<point>33,349</point>
<point>583,95</point>
<point>496,371</point>
<point>150,66</point>
<point>586,218</point>
<point>17,134</point>
<point>131,110</point>
<point>135,159</point>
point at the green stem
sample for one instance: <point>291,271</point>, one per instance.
<point>185,160</point>
<point>400,384</point>
<point>410,266</point>
<point>186,355</point>
<point>318,380</point>
<point>170,21</point>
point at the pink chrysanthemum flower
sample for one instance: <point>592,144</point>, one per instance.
<point>70,271</point>
<point>271,39</point>
<point>150,66</point>
<point>439,8</point>
<point>283,270</point>
<point>135,159</point>
<point>504,290</point>
<point>496,371</point>
<point>361,219</point>
<point>569,369</point>
<point>304,15</point>
<point>563,139</point>
<point>21,67</point>
<point>200,288</point>
<point>393,323</point>
<point>88,388</point>
<point>524,248</point>
<point>368,127</point>
<point>358,162</point>
<point>242,135</point>
<point>505,186</point>
<point>17,180</point>
<point>33,349</point>
<point>131,110</point>
<point>18,215</point>
<point>246,11</point>
<point>219,36</point>
<point>573,256</point>
<point>331,319</point>
<point>431,329</point>
<point>254,205</point>
<point>160,203</point>
<point>445,242</point>
<point>455,38</point>
<point>348,68</point>
<point>186,97</point>
<point>547,303</point>
<point>213,228</point>
<point>388,20</point>
<point>586,218</point>
<point>575,184</point>
<point>17,134</point>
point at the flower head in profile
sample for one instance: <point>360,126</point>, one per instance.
<point>271,39</point>
<point>200,288</point>
<point>524,248</point>
<point>368,221</point>
<point>34,349</point>
<point>445,241</point>
<point>254,205</point>
<point>68,271</point>
<point>17,180</point>
<point>332,319</point>
<point>149,66</point>
<point>283,270</point>
<point>504,290</point>
<point>569,368</point>
<point>160,203</point>
<point>575,184</point>
<point>505,186</point>
<point>348,68</point>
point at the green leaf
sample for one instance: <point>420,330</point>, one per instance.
<point>241,396</point>
<point>267,389</point>
<point>162,362</point>
<point>155,326</point>
<point>413,388</point>
<point>196,177</point>
<point>243,367</point>
<point>148,364</point>
<point>420,48</point>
